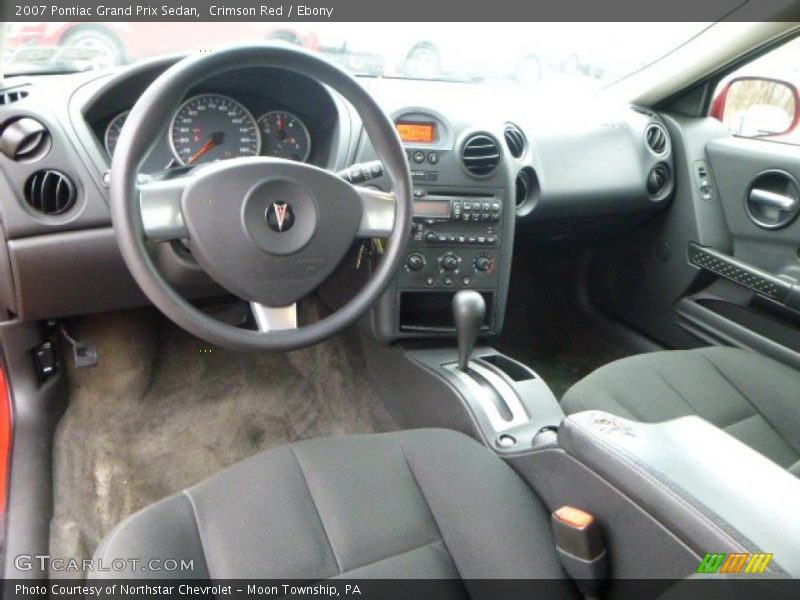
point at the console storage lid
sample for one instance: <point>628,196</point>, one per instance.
<point>713,492</point>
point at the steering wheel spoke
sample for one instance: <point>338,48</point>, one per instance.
<point>160,206</point>
<point>377,218</point>
<point>270,318</point>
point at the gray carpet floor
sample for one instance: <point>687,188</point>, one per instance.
<point>163,410</point>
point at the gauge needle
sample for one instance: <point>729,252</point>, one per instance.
<point>215,140</point>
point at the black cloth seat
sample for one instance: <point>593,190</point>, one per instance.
<point>750,396</point>
<point>416,504</point>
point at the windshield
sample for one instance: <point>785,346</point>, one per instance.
<point>529,54</point>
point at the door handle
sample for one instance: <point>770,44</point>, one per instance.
<point>773,199</point>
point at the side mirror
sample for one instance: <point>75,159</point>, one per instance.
<point>757,107</point>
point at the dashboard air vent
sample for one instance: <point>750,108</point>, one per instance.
<point>11,96</point>
<point>24,140</point>
<point>657,139</point>
<point>522,187</point>
<point>480,155</point>
<point>658,180</point>
<point>515,140</point>
<point>50,192</point>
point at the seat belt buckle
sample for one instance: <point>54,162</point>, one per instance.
<point>580,546</point>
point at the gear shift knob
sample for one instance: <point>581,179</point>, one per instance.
<point>469,311</point>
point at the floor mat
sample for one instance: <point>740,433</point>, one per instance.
<point>163,410</point>
<point>544,331</point>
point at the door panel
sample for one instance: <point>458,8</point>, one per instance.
<point>753,299</point>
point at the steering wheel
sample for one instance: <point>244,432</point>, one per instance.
<point>267,230</point>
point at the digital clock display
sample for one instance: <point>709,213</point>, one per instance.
<point>416,132</point>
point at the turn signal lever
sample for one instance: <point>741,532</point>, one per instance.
<point>361,172</point>
<point>469,311</point>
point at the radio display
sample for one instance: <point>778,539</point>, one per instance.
<point>432,208</point>
<point>416,132</point>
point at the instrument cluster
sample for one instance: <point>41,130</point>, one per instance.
<point>211,126</point>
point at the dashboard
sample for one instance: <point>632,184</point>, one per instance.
<point>490,169</point>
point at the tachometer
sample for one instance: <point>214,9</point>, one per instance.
<point>112,132</point>
<point>284,135</point>
<point>213,127</point>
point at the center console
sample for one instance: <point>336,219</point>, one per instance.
<point>665,495</point>
<point>463,226</point>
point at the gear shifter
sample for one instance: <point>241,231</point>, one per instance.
<point>469,310</point>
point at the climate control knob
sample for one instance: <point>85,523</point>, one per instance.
<point>449,262</point>
<point>483,263</point>
<point>415,262</point>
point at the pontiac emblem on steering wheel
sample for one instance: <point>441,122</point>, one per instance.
<point>280,216</point>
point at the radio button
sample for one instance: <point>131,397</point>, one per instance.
<point>485,206</point>
<point>433,157</point>
<point>496,206</point>
<point>419,157</point>
<point>430,236</point>
<point>467,205</point>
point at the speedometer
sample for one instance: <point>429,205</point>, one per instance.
<point>213,127</point>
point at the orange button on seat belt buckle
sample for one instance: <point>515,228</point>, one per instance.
<point>574,517</point>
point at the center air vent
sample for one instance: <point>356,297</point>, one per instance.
<point>481,155</point>
<point>657,139</point>
<point>50,192</point>
<point>526,190</point>
<point>658,180</point>
<point>515,140</point>
<point>10,96</point>
<point>522,187</point>
<point>24,140</point>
